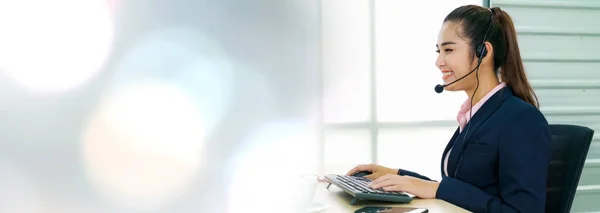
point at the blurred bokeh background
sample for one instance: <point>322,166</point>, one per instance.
<point>177,106</point>
<point>148,106</point>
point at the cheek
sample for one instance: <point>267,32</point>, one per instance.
<point>461,67</point>
<point>458,65</point>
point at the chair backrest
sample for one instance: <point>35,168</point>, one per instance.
<point>570,145</point>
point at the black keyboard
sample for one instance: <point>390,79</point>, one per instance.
<point>359,188</point>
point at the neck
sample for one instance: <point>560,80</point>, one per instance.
<point>486,84</point>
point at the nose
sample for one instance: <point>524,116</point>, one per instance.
<point>439,62</point>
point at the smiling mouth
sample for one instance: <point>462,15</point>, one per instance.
<point>447,74</point>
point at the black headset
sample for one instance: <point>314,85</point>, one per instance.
<point>480,52</point>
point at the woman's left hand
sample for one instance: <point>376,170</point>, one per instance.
<point>403,183</point>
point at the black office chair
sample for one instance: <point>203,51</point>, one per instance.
<point>570,145</point>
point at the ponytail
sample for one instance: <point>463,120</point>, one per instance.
<point>510,65</point>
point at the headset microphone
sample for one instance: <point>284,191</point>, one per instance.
<point>440,88</point>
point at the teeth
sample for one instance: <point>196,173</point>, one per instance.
<point>448,73</point>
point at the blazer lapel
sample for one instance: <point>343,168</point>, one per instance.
<point>486,110</point>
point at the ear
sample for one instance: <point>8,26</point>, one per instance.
<point>489,56</point>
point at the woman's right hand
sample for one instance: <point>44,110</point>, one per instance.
<point>375,170</point>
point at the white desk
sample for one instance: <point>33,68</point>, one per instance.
<point>339,202</point>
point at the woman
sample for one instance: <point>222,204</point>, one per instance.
<point>497,159</point>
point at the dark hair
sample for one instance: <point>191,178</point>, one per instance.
<point>503,37</point>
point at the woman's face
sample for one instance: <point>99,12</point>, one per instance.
<point>455,58</point>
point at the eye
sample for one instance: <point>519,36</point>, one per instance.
<point>447,50</point>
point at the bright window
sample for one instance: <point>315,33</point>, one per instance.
<point>379,74</point>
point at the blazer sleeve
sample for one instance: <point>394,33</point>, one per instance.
<point>413,174</point>
<point>524,154</point>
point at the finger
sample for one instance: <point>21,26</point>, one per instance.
<point>382,178</point>
<point>383,183</point>
<point>359,168</point>
<point>354,170</point>
<point>390,180</point>
<point>393,188</point>
<point>370,177</point>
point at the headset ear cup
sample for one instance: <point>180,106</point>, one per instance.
<point>481,51</point>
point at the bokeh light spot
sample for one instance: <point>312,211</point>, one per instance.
<point>145,145</point>
<point>53,46</point>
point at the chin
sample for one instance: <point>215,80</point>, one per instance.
<point>451,88</point>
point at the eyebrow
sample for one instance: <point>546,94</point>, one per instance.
<point>446,43</point>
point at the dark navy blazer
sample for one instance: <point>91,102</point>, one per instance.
<point>499,163</point>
